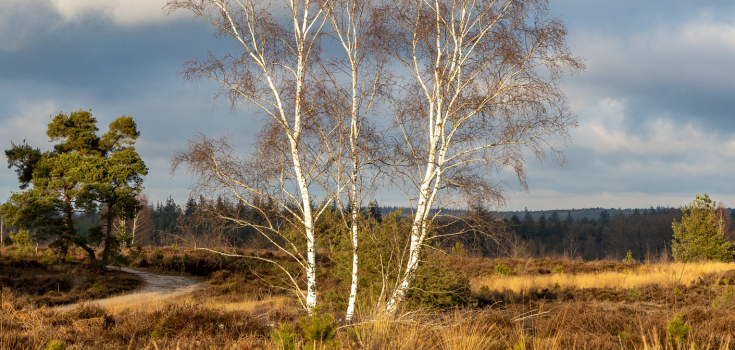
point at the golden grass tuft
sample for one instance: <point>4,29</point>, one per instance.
<point>665,275</point>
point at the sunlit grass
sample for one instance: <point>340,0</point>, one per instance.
<point>665,275</point>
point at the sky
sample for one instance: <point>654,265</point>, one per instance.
<point>655,105</point>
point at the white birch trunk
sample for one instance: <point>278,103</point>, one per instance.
<point>353,285</point>
<point>311,292</point>
<point>355,200</point>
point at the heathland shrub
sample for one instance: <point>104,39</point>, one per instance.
<point>700,234</point>
<point>677,330</point>
<point>319,332</point>
<point>628,259</point>
<point>502,270</point>
<point>55,345</point>
<point>382,245</point>
<point>22,240</point>
<point>635,293</point>
<point>724,298</point>
<point>284,337</point>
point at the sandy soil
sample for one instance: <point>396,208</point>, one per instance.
<point>156,287</point>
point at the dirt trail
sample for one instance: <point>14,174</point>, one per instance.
<point>156,287</point>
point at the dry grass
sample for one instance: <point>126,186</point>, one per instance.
<point>664,275</point>
<point>234,312</point>
<point>458,330</point>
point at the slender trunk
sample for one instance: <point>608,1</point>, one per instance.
<point>2,233</point>
<point>353,285</point>
<point>355,200</point>
<point>135,225</point>
<point>108,237</point>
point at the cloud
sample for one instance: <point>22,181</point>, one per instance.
<point>24,23</point>
<point>681,71</point>
<point>120,12</point>
<point>663,162</point>
<point>30,124</point>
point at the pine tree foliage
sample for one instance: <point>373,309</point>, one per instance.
<point>700,234</point>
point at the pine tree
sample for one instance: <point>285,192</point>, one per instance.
<point>700,234</point>
<point>84,173</point>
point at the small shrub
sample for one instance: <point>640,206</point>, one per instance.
<point>47,258</point>
<point>625,272</point>
<point>319,331</point>
<point>55,345</point>
<point>677,331</point>
<point>634,293</point>
<point>629,258</point>
<point>723,299</point>
<point>97,288</point>
<point>157,333</point>
<point>284,337</point>
<point>71,259</point>
<point>459,250</point>
<point>22,239</point>
<point>557,285</point>
<point>625,333</point>
<point>484,289</point>
<point>502,270</point>
<point>558,269</point>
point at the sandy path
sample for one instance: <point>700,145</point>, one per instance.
<point>156,287</point>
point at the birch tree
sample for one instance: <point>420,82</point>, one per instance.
<point>479,94</point>
<point>351,103</point>
<point>271,72</point>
